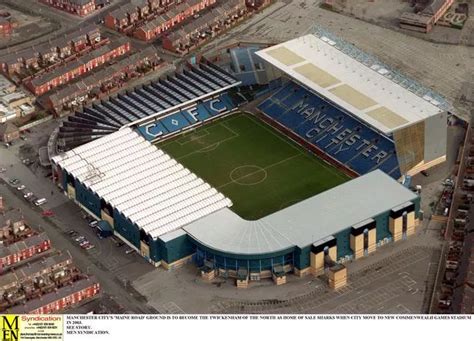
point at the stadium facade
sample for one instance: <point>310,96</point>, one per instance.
<point>354,115</point>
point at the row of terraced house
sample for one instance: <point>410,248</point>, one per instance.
<point>147,19</point>
<point>103,81</point>
<point>35,278</point>
<point>77,7</point>
<point>51,52</point>
<point>212,22</point>
<point>78,67</point>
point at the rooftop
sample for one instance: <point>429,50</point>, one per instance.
<point>354,81</point>
<point>153,190</point>
<point>53,296</point>
<point>23,244</point>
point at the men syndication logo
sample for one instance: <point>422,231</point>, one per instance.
<point>10,328</point>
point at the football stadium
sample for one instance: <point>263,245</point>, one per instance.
<point>305,178</point>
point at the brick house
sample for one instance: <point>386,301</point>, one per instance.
<point>210,23</point>
<point>6,26</point>
<point>61,48</point>
<point>60,299</point>
<point>76,93</point>
<point>23,249</point>
<point>77,7</point>
<point>9,132</point>
<point>172,17</point>
<point>74,69</point>
<point>116,20</point>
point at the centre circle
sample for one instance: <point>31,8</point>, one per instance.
<point>248,175</point>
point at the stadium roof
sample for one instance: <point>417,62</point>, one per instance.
<point>142,182</point>
<point>367,90</point>
<point>305,222</point>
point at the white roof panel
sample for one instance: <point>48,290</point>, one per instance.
<point>153,190</point>
<point>305,222</point>
<point>322,67</point>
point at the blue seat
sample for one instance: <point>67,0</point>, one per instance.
<point>335,132</point>
<point>196,114</point>
<point>174,122</point>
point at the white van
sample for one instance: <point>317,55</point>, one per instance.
<point>40,202</point>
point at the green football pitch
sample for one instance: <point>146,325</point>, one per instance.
<point>258,168</point>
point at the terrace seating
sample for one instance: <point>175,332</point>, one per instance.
<point>191,85</point>
<point>184,118</point>
<point>346,139</point>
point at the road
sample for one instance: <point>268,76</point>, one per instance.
<point>68,22</point>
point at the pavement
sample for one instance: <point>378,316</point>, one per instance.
<point>397,278</point>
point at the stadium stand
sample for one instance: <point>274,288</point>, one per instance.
<point>197,87</point>
<point>345,139</point>
<point>197,113</point>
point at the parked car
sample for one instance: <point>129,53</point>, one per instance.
<point>93,223</point>
<point>40,202</point>
<point>129,251</point>
<point>80,239</point>
<point>448,182</point>
<point>47,213</point>
<point>72,232</point>
<point>84,243</point>
<point>28,195</point>
<point>21,187</point>
<point>89,247</point>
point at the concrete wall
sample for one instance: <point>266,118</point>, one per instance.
<point>436,135</point>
